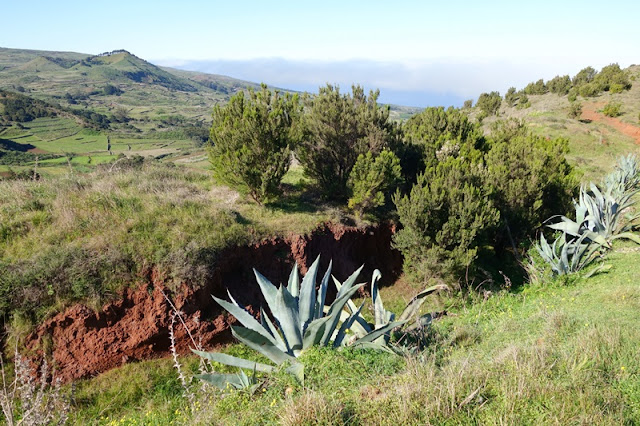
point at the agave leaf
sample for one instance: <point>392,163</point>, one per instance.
<point>259,343</point>
<point>346,325</point>
<point>379,332</point>
<point>334,313</point>
<point>294,281</point>
<point>423,321</point>
<point>222,381</point>
<point>285,311</point>
<point>379,312</point>
<point>322,291</point>
<point>373,346</point>
<point>567,226</point>
<point>296,369</point>
<point>244,317</point>
<point>416,302</point>
<point>268,324</point>
<point>348,284</point>
<point>629,236</point>
<point>234,361</point>
<point>307,300</point>
<point>360,327</point>
<point>269,291</point>
<point>315,331</point>
<point>597,270</point>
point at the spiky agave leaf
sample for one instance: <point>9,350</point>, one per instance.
<point>413,307</point>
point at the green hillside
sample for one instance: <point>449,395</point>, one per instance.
<point>595,140</point>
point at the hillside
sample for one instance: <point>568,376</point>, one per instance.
<point>595,140</point>
<point>140,108</point>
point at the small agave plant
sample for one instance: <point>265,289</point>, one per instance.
<point>599,220</point>
<point>301,320</point>
<point>568,256</point>
<point>599,215</point>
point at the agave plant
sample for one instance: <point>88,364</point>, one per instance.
<point>301,321</point>
<point>599,216</point>
<point>382,317</point>
<point>568,256</point>
<point>625,178</point>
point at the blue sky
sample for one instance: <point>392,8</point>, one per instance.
<point>441,49</point>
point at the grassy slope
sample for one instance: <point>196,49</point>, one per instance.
<point>594,145</point>
<point>556,353</point>
<point>84,236</point>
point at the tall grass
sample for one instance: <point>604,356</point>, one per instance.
<point>85,237</point>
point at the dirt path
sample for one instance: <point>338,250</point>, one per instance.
<point>589,112</point>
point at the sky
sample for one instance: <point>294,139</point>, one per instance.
<point>417,52</point>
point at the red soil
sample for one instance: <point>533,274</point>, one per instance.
<point>589,112</point>
<point>136,327</point>
<point>38,151</point>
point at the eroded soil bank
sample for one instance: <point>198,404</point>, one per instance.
<point>84,343</point>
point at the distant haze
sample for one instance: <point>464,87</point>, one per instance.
<point>420,84</point>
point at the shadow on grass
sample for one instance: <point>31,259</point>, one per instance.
<point>15,146</point>
<point>297,199</point>
<point>585,120</point>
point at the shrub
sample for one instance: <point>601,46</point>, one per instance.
<point>251,141</point>
<point>586,75</point>
<point>432,128</point>
<point>612,109</point>
<point>616,88</point>
<point>559,85</point>
<point>529,179</point>
<point>590,90</point>
<point>468,104</point>
<point>613,75</point>
<point>537,88</point>
<point>523,101</point>
<point>489,102</point>
<point>372,180</point>
<point>511,97</point>
<point>337,129</point>
<point>575,110</point>
<point>572,95</point>
<point>446,217</point>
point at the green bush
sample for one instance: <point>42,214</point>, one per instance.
<point>575,110</point>
<point>251,141</point>
<point>446,217</point>
<point>523,101</point>
<point>572,95</point>
<point>559,85</point>
<point>589,90</point>
<point>616,88</point>
<point>511,97</point>
<point>537,88</point>
<point>489,102</point>
<point>337,129</point>
<point>468,104</point>
<point>529,180</point>
<point>373,180</point>
<point>586,75</point>
<point>613,75</point>
<point>612,109</point>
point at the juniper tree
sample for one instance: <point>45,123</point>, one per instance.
<point>338,128</point>
<point>251,140</point>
